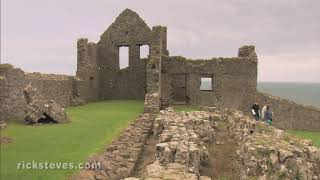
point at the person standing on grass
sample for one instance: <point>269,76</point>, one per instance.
<point>255,109</point>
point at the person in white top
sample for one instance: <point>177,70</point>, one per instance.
<point>263,111</point>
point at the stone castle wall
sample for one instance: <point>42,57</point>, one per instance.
<point>60,88</point>
<point>54,87</point>
<point>87,70</point>
<point>290,115</point>
<point>128,30</point>
<point>12,83</point>
<point>234,81</point>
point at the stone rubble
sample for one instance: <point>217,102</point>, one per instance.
<point>39,107</point>
<point>119,158</point>
<point>3,125</point>
<point>181,148</point>
<point>262,151</point>
<point>266,152</point>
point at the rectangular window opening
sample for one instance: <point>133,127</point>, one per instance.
<point>144,51</point>
<point>206,84</point>
<point>91,82</point>
<point>123,57</point>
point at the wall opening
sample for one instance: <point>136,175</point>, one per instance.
<point>46,119</point>
<point>179,88</point>
<point>206,84</point>
<point>144,51</point>
<point>91,82</point>
<point>123,57</point>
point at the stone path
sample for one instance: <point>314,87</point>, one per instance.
<point>222,160</point>
<point>146,157</point>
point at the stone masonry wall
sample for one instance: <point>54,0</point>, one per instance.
<point>87,70</point>
<point>290,115</point>
<point>234,80</point>
<point>119,159</point>
<point>266,152</point>
<point>60,88</point>
<point>12,83</point>
<point>131,31</point>
<point>54,87</point>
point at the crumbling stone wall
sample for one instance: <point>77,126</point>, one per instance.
<point>87,70</point>
<point>12,83</point>
<point>120,158</point>
<point>101,61</point>
<point>53,87</point>
<point>290,115</point>
<point>234,79</point>
<point>60,88</point>
<point>129,83</point>
<point>266,152</point>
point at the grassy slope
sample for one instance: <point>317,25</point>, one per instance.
<point>93,125</point>
<point>314,136</point>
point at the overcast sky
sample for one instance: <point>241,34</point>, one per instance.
<point>41,35</point>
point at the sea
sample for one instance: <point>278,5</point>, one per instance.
<point>302,93</point>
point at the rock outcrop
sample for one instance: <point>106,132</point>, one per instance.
<point>39,109</point>
<point>266,152</point>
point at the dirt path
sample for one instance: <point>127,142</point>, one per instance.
<point>147,157</point>
<point>222,164</point>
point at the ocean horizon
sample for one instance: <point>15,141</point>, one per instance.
<point>307,93</point>
<point>299,92</point>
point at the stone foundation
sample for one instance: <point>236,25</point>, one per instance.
<point>266,152</point>
<point>120,158</point>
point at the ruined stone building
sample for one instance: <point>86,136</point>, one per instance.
<point>163,78</point>
<point>159,79</point>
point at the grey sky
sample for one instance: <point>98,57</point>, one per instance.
<point>40,35</point>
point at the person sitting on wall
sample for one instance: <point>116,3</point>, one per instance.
<point>255,111</point>
<point>268,114</point>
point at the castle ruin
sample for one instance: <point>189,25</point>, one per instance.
<point>160,79</point>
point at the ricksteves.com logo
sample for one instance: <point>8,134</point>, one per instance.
<point>57,165</point>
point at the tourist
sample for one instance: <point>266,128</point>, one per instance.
<point>268,114</point>
<point>263,111</point>
<point>255,110</point>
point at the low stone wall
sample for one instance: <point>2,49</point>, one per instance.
<point>290,115</point>
<point>120,158</point>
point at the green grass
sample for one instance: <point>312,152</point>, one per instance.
<point>92,126</point>
<point>186,108</point>
<point>314,136</point>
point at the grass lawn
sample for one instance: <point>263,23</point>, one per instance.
<point>92,126</point>
<point>314,136</point>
